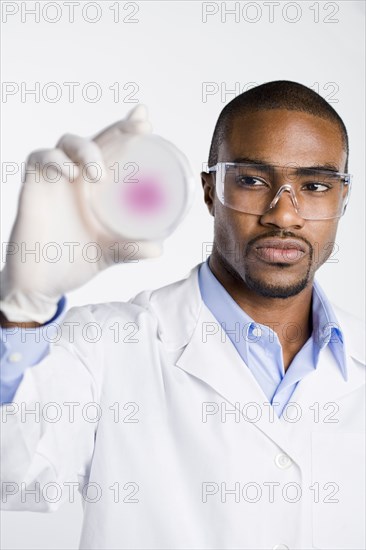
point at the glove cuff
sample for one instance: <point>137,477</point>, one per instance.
<point>21,308</point>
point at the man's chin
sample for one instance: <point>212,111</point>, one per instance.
<point>280,290</point>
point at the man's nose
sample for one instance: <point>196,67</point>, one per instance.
<point>282,211</point>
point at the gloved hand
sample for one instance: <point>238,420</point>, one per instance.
<point>54,221</point>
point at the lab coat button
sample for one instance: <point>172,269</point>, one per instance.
<point>280,547</point>
<point>283,461</point>
<point>15,357</point>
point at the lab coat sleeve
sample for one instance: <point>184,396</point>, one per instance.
<point>48,431</point>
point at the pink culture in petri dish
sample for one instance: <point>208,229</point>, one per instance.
<point>144,196</point>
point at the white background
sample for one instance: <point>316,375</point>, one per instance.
<point>170,53</point>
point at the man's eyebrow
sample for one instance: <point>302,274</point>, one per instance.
<point>328,166</point>
<point>253,160</point>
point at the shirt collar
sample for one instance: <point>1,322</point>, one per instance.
<point>326,329</point>
<point>219,301</point>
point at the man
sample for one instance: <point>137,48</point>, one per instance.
<point>236,418</point>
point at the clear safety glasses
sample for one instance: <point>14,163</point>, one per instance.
<point>316,194</point>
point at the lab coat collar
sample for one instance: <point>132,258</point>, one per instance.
<point>200,347</point>
<point>178,319</point>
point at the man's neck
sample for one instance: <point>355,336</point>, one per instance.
<point>290,318</point>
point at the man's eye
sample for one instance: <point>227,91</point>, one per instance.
<point>317,187</point>
<point>249,181</point>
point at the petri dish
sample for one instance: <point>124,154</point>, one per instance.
<point>147,190</point>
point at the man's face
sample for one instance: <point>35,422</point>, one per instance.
<point>276,137</point>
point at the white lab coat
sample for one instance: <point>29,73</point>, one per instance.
<point>169,463</point>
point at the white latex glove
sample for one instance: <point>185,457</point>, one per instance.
<point>56,212</point>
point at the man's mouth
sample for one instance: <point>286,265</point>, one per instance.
<point>284,251</point>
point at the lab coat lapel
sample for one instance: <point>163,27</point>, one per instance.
<point>326,383</point>
<point>214,360</point>
<point>201,349</point>
<point>322,400</point>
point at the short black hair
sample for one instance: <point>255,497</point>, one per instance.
<point>279,94</point>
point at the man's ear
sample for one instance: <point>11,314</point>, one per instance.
<point>207,179</point>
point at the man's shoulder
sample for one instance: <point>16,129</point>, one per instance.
<point>351,326</point>
<point>151,301</point>
<point>348,319</point>
<point>169,293</point>
<point>353,330</point>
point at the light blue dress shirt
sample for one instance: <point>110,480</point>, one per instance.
<point>259,346</point>
<point>21,348</point>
